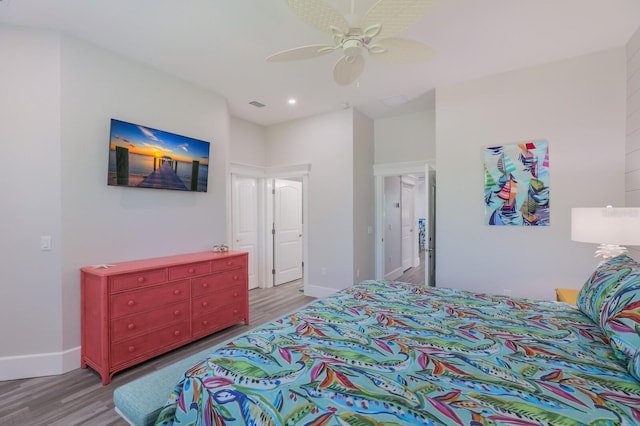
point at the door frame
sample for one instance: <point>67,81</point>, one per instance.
<point>379,172</point>
<point>264,175</point>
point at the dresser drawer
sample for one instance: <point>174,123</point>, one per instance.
<point>218,319</point>
<point>137,279</point>
<point>215,282</point>
<point>189,270</point>
<point>140,300</point>
<point>129,326</point>
<point>218,265</point>
<point>128,350</point>
<point>218,299</point>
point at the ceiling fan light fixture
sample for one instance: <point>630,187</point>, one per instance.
<point>353,33</point>
<point>352,48</point>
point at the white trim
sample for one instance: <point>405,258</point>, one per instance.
<point>295,170</point>
<point>38,365</point>
<point>318,291</point>
<point>393,275</point>
<point>250,170</point>
<point>268,235</point>
<point>379,226</point>
<point>247,170</point>
<point>305,229</point>
<point>395,169</point>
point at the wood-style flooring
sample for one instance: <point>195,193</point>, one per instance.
<point>79,398</point>
<point>415,275</point>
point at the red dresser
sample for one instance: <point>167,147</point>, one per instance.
<point>133,311</point>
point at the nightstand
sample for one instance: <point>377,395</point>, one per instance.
<point>567,295</point>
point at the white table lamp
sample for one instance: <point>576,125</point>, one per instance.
<point>609,227</point>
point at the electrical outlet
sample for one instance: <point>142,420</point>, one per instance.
<point>506,292</point>
<point>323,271</point>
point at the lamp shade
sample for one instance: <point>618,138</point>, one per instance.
<point>606,225</point>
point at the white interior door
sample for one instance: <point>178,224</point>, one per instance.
<point>287,226</point>
<point>407,218</point>
<point>244,204</point>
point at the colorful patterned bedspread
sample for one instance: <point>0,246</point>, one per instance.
<point>392,353</point>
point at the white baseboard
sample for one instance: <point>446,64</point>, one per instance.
<point>38,365</point>
<point>317,291</point>
<point>394,275</point>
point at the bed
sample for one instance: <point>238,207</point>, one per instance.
<point>385,352</point>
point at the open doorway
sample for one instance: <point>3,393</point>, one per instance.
<point>401,224</point>
<point>405,223</point>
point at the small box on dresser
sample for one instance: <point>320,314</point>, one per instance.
<point>134,311</point>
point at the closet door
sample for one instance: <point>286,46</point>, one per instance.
<point>244,205</point>
<point>287,237</point>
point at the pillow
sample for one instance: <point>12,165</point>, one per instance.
<point>634,365</point>
<point>595,292</point>
<point>620,315</point>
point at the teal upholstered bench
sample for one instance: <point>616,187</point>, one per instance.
<point>139,402</point>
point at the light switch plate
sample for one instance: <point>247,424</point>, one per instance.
<point>45,242</point>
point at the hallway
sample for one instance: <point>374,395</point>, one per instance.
<point>415,275</point>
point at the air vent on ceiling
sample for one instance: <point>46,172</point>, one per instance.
<point>256,104</point>
<point>396,100</point>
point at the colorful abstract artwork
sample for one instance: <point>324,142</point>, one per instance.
<point>516,184</point>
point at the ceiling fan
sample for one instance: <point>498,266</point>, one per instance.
<point>353,36</point>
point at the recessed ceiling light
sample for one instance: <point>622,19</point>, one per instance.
<point>292,101</point>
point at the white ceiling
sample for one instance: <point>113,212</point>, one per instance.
<point>221,45</point>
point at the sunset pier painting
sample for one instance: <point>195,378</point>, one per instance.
<point>144,157</point>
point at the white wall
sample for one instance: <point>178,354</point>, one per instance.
<point>632,151</point>
<point>578,105</point>
<point>410,137</point>
<point>326,142</point>
<point>363,198</point>
<point>31,302</point>
<point>74,89</point>
<point>247,144</point>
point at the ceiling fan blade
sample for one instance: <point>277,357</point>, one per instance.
<point>396,16</point>
<point>319,14</point>
<point>348,69</point>
<point>395,50</point>
<point>304,52</point>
